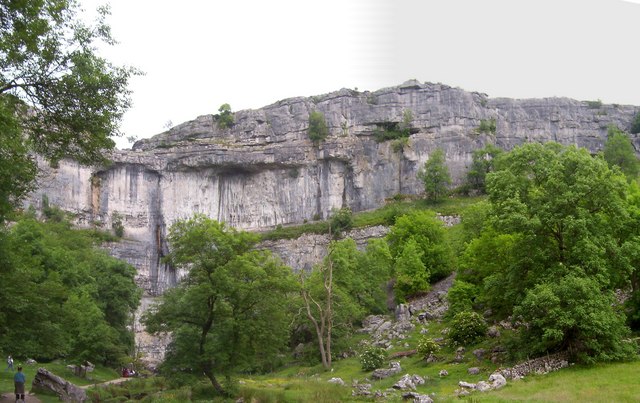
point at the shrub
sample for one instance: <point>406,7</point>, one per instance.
<point>225,117</point>
<point>372,358</point>
<point>318,130</point>
<point>342,220</point>
<point>427,346</point>
<point>487,126</point>
<point>117,225</point>
<point>461,296</point>
<point>594,104</point>
<point>467,328</point>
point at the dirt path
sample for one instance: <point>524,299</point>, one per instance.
<point>118,380</point>
<point>11,398</point>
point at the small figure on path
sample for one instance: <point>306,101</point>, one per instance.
<point>9,363</point>
<point>18,380</point>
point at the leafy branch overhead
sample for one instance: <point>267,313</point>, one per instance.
<point>58,97</point>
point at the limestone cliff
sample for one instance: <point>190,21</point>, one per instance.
<point>264,171</point>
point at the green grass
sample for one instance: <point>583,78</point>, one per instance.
<point>617,382</point>
<point>386,215</point>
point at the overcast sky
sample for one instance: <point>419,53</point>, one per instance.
<point>199,54</point>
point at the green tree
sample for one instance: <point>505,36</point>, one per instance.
<point>482,164</point>
<point>435,176</point>
<point>229,314</point>
<point>618,151</point>
<point>225,118</point>
<point>574,314</point>
<point>73,300</point>
<point>318,130</point>
<point>58,98</point>
<point>412,277</point>
<point>430,238</point>
<point>558,225</point>
<point>341,290</point>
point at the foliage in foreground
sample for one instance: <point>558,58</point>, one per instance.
<point>58,97</point>
<point>63,297</point>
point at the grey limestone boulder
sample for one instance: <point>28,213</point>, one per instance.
<point>47,382</point>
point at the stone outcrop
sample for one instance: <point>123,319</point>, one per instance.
<point>45,381</point>
<point>264,171</point>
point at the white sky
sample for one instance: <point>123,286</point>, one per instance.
<point>199,54</point>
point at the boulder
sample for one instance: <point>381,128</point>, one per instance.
<point>337,381</point>
<point>403,313</point>
<point>381,373</point>
<point>417,398</point>
<point>47,382</point>
<point>473,371</point>
<point>483,386</point>
<point>409,382</point>
<point>361,389</point>
<point>443,372</point>
<point>497,381</point>
<point>493,332</point>
<point>467,385</point>
<point>479,353</point>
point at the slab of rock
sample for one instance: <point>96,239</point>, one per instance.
<point>473,371</point>
<point>409,382</point>
<point>381,373</point>
<point>47,382</point>
<point>417,398</point>
<point>497,381</point>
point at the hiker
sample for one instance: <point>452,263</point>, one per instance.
<point>18,380</point>
<point>9,363</point>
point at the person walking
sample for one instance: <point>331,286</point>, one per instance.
<point>9,363</point>
<point>18,381</point>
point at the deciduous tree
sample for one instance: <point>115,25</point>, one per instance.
<point>230,311</point>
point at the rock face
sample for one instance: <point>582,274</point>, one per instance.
<point>264,171</point>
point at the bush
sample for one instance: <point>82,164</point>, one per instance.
<point>372,358</point>
<point>461,296</point>
<point>487,126</point>
<point>225,117</point>
<point>467,328</point>
<point>427,346</point>
<point>318,130</point>
<point>117,225</point>
<point>341,220</point>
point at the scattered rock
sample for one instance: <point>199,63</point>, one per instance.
<point>473,371</point>
<point>497,381</point>
<point>479,353</point>
<point>337,381</point>
<point>493,332</point>
<point>409,382</point>
<point>417,398</point>
<point>482,386</point>
<point>47,382</point>
<point>381,373</point>
<point>541,365</point>
<point>467,385</point>
<point>424,330</point>
<point>403,313</point>
<point>432,358</point>
<point>361,389</point>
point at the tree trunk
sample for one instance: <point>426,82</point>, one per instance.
<point>214,382</point>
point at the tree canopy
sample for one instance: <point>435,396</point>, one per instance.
<point>229,313</point>
<point>58,97</point>
<point>435,176</point>
<point>61,296</point>
<point>555,237</point>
